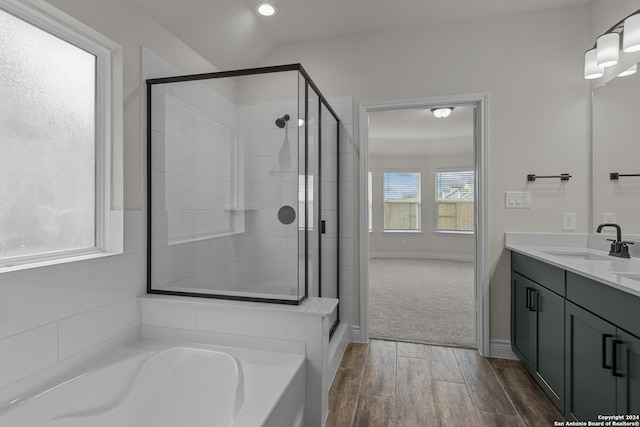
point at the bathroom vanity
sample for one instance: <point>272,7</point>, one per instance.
<point>575,322</point>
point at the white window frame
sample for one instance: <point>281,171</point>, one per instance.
<point>419,202</point>
<point>370,190</point>
<point>109,222</point>
<point>436,202</point>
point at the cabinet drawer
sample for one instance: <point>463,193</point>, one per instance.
<point>540,272</point>
<point>618,307</point>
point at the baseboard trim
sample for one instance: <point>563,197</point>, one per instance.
<point>422,255</point>
<point>355,334</point>
<point>501,349</point>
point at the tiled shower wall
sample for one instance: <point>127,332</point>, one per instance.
<point>194,188</point>
<point>268,251</point>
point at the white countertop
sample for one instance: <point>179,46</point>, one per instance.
<point>583,254</point>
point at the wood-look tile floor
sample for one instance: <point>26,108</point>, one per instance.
<point>396,384</point>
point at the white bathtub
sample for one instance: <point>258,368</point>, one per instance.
<point>158,384</point>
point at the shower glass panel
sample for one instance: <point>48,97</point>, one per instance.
<point>312,187</point>
<point>329,249</point>
<point>235,188</point>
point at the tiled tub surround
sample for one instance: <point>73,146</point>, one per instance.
<point>56,317</point>
<point>302,329</point>
<point>155,384</point>
<point>584,254</point>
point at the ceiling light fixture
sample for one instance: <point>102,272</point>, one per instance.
<point>266,9</point>
<point>606,51</point>
<point>441,113</point>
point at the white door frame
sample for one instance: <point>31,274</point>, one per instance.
<point>481,201</point>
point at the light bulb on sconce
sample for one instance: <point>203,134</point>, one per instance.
<point>629,71</point>
<point>631,34</point>
<point>607,50</point>
<point>591,69</point>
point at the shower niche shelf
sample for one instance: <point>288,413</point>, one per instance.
<point>241,208</point>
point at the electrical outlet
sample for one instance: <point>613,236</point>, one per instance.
<point>569,221</point>
<point>608,218</point>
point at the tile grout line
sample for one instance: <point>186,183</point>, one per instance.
<point>507,393</point>
<point>466,385</point>
<point>364,363</point>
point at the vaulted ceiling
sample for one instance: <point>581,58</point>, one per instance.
<point>231,35</point>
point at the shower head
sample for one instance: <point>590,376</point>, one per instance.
<point>282,121</point>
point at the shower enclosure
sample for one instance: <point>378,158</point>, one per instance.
<point>242,190</point>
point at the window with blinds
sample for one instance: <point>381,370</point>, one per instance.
<point>455,194</point>
<point>402,201</point>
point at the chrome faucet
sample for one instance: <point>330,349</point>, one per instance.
<point>619,248</point>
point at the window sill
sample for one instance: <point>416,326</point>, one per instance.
<point>57,261</point>
<point>402,232</point>
<point>455,233</point>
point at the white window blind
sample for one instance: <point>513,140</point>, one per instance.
<point>402,201</point>
<point>455,194</point>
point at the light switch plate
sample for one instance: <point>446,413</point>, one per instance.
<point>569,221</point>
<point>517,200</point>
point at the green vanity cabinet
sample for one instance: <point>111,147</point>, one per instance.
<point>537,330</point>
<point>603,356</point>
<point>602,365</point>
<point>628,386</point>
<point>591,387</point>
<point>579,339</point>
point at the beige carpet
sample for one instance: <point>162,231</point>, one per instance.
<point>423,301</point>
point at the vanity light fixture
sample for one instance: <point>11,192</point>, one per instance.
<point>441,113</point>
<point>266,9</point>
<point>629,71</point>
<point>606,51</point>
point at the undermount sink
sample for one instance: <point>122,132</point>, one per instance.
<point>578,256</point>
<point>634,276</point>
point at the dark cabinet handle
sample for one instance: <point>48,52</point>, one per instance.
<point>323,226</point>
<point>614,357</point>
<point>604,351</point>
<point>529,297</point>
<point>534,300</point>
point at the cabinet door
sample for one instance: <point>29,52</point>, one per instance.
<point>549,348</point>
<point>523,319</point>
<point>628,373</point>
<point>590,385</point>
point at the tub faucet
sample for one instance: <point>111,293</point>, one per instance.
<point>619,248</point>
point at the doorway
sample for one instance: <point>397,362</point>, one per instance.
<point>404,221</point>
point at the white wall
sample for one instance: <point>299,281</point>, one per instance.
<point>425,243</point>
<point>52,318</point>
<point>531,66</point>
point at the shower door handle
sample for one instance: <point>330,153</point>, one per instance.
<point>322,226</point>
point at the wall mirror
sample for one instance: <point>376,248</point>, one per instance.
<point>616,149</point>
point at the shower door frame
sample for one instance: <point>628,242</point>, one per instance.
<point>322,101</point>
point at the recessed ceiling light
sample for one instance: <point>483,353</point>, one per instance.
<point>266,9</point>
